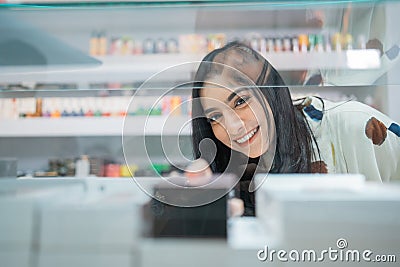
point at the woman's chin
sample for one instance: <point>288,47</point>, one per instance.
<point>251,154</point>
<point>255,155</point>
<point>257,152</point>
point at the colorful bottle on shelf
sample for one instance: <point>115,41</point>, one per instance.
<point>148,46</point>
<point>56,113</point>
<point>94,44</point>
<point>176,105</point>
<point>278,45</point>
<point>270,45</point>
<point>287,46</point>
<point>295,45</point>
<point>46,108</point>
<point>311,42</point>
<point>303,42</point>
<point>337,42</point>
<point>348,41</point>
<point>172,45</point>
<point>82,167</point>
<point>319,43</point>
<point>328,47</point>
<point>102,43</point>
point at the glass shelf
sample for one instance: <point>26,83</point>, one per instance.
<point>73,25</point>
<point>140,68</point>
<point>176,3</point>
<point>95,126</point>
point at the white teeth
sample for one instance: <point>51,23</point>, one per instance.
<point>247,136</point>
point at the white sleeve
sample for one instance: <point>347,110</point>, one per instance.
<point>369,142</point>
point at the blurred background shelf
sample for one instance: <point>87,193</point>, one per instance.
<point>112,69</point>
<point>102,126</point>
<point>350,59</point>
<point>142,67</point>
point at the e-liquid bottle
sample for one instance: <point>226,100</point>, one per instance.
<point>94,44</point>
<point>303,42</point>
<point>82,167</point>
<point>102,50</point>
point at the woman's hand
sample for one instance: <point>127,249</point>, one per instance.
<point>198,173</point>
<point>235,207</point>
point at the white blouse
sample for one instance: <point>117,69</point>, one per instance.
<point>355,138</point>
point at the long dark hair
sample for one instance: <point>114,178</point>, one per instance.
<point>294,141</point>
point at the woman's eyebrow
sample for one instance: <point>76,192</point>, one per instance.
<point>234,93</point>
<point>209,110</point>
<point>228,99</point>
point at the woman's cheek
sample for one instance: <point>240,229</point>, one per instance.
<point>221,134</point>
<point>255,112</point>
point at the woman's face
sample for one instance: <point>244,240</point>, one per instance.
<point>236,115</point>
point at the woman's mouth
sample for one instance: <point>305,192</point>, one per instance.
<point>248,137</point>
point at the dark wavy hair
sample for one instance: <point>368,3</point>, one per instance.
<point>294,138</point>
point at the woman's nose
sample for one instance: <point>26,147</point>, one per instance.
<point>234,124</point>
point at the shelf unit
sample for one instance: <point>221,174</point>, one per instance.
<point>72,23</point>
<point>93,126</point>
<point>143,67</point>
<point>113,68</point>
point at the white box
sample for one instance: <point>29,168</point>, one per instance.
<point>315,211</point>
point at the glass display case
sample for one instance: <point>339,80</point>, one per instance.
<point>71,73</point>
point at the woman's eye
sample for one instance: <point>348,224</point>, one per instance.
<point>214,118</point>
<point>241,100</point>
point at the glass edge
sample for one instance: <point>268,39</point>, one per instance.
<point>52,4</point>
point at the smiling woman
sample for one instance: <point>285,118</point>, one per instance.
<point>235,98</point>
<point>245,121</point>
<point>240,93</point>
